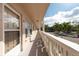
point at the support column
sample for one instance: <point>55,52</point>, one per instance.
<point>1,31</point>
<point>43,26</point>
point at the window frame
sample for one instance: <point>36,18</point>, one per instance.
<point>17,30</point>
<point>16,13</point>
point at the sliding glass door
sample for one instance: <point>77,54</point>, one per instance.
<point>11,29</point>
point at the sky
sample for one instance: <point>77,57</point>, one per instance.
<point>56,7</point>
<point>61,12</point>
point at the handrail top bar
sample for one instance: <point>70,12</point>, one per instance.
<point>70,44</point>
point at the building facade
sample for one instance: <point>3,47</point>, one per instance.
<point>16,25</point>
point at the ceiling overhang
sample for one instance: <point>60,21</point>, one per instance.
<point>35,11</point>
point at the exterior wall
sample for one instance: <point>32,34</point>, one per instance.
<point>1,30</point>
<point>25,25</point>
<point>23,35</point>
<point>16,50</point>
<point>23,40</point>
<point>28,27</point>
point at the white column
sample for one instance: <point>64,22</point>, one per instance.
<point>43,26</point>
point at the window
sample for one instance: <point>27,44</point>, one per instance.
<point>30,31</point>
<point>11,19</point>
<point>11,22</point>
<point>26,31</point>
<point>66,53</point>
<point>11,39</point>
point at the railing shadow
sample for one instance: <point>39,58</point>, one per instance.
<point>37,47</point>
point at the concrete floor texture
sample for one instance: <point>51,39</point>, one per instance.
<point>34,47</point>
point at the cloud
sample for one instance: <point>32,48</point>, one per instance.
<point>73,12</point>
<point>65,16</point>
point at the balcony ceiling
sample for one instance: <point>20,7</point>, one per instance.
<point>35,11</point>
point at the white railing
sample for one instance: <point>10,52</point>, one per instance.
<point>58,46</point>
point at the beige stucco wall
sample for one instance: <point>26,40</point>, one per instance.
<point>2,49</point>
<point>1,30</point>
<point>2,36</point>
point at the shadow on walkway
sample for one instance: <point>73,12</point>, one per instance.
<point>37,46</point>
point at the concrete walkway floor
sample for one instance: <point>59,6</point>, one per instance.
<point>34,48</point>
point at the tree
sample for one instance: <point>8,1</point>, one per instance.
<point>77,30</point>
<point>57,27</point>
<point>66,27</point>
<point>48,29</point>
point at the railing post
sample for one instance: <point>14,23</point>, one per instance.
<point>59,46</point>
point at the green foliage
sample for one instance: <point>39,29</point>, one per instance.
<point>48,29</point>
<point>57,27</point>
<point>65,27</point>
<point>77,29</point>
